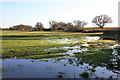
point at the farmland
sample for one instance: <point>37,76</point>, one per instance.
<point>83,52</point>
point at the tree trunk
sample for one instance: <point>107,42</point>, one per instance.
<point>102,27</point>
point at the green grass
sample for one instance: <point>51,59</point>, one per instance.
<point>32,44</point>
<point>40,35</point>
<point>100,58</point>
<point>109,37</point>
<point>36,45</point>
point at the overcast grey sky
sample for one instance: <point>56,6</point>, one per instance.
<point>29,12</point>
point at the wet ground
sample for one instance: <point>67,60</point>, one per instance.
<point>99,60</point>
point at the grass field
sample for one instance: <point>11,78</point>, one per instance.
<point>69,47</point>
<point>32,44</point>
<point>24,44</point>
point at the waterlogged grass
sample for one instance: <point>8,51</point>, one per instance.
<point>101,58</point>
<point>21,48</point>
<point>47,46</point>
<point>42,56</point>
<point>35,45</point>
<point>78,53</point>
<point>32,44</point>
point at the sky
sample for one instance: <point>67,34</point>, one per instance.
<point>29,12</point>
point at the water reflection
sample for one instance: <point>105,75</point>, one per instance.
<point>50,69</point>
<point>25,68</point>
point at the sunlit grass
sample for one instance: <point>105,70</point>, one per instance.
<point>28,45</point>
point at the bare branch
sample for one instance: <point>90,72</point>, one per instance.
<point>102,20</point>
<point>79,23</point>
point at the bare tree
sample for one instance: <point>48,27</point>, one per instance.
<point>61,25</point>
<point>53,25</point>
<point>70,27</point>
<point>79,23</point>
<point>102,20</point>
<point>69,24</point>
<point>83,24</point>
<point>39,26</point>
<point>22,27</point>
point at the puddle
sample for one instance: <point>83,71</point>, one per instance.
<point>50,69</point>
<point>63,41</point>
<point>88,39</point>
<point>73,40</point>
<point>83,48</point>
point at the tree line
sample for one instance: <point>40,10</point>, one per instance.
<point>76,25</point>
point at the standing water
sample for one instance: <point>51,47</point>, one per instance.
<point>99,60</point>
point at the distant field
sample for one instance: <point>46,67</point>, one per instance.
<point>36,35</point>
<point>97,29</point>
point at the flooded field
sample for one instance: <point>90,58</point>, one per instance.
<point>78,57</point>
